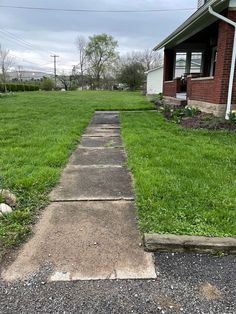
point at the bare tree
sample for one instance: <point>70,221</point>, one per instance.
<point>68,81</point>
<point>148,58</point>
<point>81,44</point>
<point>6,62</point>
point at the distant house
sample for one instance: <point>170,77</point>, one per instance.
<point>199,59</point>
<point>27,75</point>
<point>155,81</point>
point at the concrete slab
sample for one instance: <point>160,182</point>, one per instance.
<point>101,131</point>
<point>101,142</point>
<point>93,184</point>
<point>85,241</point>
<point>105,134</point>
<point>106,126</point>
<point>104,156</point>
<point>105,118</point>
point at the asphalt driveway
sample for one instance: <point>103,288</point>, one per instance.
<point>186,283</point>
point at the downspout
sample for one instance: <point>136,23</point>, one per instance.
<point>233,61</point>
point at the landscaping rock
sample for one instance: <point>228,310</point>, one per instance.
<point>5,209</point>
<point>8,197</point>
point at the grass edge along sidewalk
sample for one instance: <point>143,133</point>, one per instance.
<point>184,179</point>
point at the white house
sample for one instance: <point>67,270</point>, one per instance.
<point>155,81</point>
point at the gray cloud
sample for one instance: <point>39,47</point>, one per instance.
<point>52,31</point>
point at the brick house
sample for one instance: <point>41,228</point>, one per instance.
<point>199,59</point>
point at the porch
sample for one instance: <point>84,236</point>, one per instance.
<point>197,65</point>
<point>190,67</point>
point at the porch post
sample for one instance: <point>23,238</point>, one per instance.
<point>168,64</point>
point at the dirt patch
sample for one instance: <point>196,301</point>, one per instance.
<point>210,292</point>
<point>207,121</point>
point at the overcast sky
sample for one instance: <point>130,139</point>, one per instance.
<point>55,32</point>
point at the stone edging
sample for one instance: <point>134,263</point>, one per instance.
<point>182,243</point>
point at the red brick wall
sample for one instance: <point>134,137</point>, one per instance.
<point>216,90</point>
<point>201,90</point>
<point>170,88</point>
<point>224,55</point>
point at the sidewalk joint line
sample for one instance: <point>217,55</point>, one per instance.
<point>124,199</point>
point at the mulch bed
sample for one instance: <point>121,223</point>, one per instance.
<point>207,121</point>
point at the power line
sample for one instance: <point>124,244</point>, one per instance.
<point>93,10</point>
<point>23,42</point>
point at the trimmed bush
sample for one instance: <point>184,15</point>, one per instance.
<point>12,87</point>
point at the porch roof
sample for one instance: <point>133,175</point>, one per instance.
<point>195,23</point>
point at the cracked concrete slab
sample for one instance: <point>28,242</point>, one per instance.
<point>104,156</point>
<point>93,184</point>
<point>101,142</point>
<point>85,241</point>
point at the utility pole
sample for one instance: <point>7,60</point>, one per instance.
<point>55,68</point>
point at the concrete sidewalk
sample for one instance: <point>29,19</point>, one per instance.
<point>89,231</point>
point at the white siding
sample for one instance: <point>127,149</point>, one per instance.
<point>155,81</point>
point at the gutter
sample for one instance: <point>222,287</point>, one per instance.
<point>233,61</point>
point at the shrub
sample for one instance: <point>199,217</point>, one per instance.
<point>232,117</point>
<point>47,84</point>
<point>14,87</point>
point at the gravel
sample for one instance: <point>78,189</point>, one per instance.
<point>186,283</point>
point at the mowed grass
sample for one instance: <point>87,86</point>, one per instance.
<point>38,132</point>
<point>185,179</point>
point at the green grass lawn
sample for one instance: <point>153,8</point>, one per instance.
<point>185,179</point>
<point>38,132</point>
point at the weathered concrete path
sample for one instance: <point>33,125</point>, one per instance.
<point>90,230</point>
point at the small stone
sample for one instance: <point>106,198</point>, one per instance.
<point>8,197</point>
<point>95,243</point>
<point>140,244</point>
<point>136,295</point>
<point>5,209</point>
<point>172,287</point>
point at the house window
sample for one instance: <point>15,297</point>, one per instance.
<point>188,63</point>
<point>180,64</point>
<point>196,63</point>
